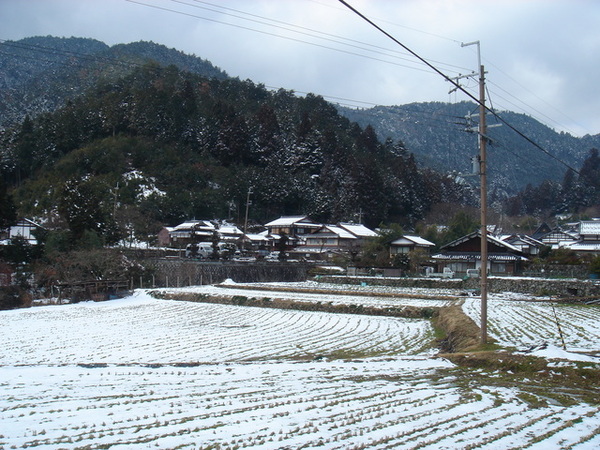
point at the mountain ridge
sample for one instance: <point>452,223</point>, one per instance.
<point>435,133</point>
<point>41,73</point>
<point>201,140</point>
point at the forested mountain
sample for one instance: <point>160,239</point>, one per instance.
<point>119,140</point>
<point>161,145</point>
<point>436,134</point>
<point>39,74</point>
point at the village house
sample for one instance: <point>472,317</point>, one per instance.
<point>589,238</point>
<point>465,253</point>
<point>346,238</point>
<point>292,226</point>
<point>24,228</point>
<point>558,238</point>
<point>327,240</point>
<point>581,237</point>
<point>526,244</point>
<point>192,231</point>
<point>230,233</point>
<point>361,232</point>
<point>407,243</point>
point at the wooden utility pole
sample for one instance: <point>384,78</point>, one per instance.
<point>247,209</point>
<point>483,179</point>
<point>482,131</point>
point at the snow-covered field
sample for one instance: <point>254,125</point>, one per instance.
<point>146,373</point>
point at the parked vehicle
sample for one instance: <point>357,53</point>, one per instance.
<point>201,250</point>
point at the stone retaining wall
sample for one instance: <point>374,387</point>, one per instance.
<point>182,272</point>
<point>533,286</point>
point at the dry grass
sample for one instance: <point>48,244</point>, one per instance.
<point>413,312</point>
<point>461,333</point>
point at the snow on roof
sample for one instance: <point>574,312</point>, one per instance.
<point>256,237</point>
<point>502,243</point>
<point>523,238</point>
<point>230,229</point>
<point>358,229</point>
<point>490,238</point>
<point>194,223</point>
<point>418,240</point>
<point>580,246</point>
<point>589,227</point>
<point>340,232</point>
<point>287,221</point>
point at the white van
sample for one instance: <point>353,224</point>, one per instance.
<point>203,250</point>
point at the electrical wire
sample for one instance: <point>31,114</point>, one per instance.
<point>294,39</point>
<point>536,96</point>
<point>239,14</point>
<point>459,87</point>
<point>312,32</point>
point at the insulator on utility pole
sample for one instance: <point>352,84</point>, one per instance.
<point>475,165</point>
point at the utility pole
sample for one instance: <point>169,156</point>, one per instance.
<point>483,180</point>
<point>247,208</point>
<point>482,131</point>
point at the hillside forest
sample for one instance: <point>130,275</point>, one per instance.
<point>152,144</point>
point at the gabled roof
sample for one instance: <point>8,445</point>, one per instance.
<point>333,229</point>
<point>556,236</point>
<point>588,227</point>
<point>541,231</point>
<point>27,222</point>
<point>199,224</point>
<point>286,221</point>
<point>358,229</point>
<point>256,237</point>
<point>477,234</point>
<point>514,238</point>
<point>230,229</point>
<point>412,240</point>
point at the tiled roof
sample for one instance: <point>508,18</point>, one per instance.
<point>589,227</point>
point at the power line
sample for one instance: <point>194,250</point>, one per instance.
<point>318,34</point>
<point>535,95</point>
<point>310,31</point>
<point>550,120</point>
<point>459,87</point>
<point>294,39</point>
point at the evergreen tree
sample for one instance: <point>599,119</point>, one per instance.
<point>8,212</point>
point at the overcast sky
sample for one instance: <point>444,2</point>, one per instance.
<point>542,57</point>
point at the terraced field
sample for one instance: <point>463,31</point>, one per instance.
<point>148,373</point>
<point>522,324</point>
<point>143,330</point>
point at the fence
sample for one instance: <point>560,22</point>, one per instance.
<point>177,272</point>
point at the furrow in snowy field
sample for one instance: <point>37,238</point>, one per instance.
<point>524,324</point>
<point>159,331</point>
<point>147,400</point>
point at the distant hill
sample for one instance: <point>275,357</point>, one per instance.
<point>435,134</point>
<point>39,74</point>
<point>159,144</point>
<point>122,138</point>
